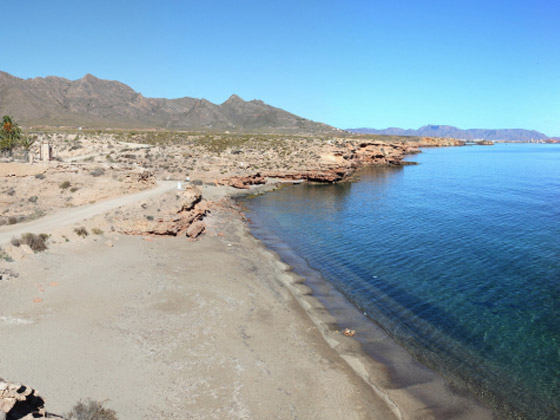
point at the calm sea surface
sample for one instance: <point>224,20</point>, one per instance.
<point>458,258</point>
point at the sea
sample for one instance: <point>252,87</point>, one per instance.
<point>457,258</point>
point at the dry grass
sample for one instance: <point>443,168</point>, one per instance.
<point>91,410</point>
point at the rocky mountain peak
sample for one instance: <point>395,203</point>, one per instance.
<point>234,99</point>
<point>88,77</point>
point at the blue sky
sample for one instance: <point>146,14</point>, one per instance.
<point>352,63</point>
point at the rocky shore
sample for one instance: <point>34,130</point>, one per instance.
<point>91,167</point>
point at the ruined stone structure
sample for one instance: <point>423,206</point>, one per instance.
<point>46,152</point>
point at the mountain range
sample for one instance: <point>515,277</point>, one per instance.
<point>97,103</point>
<point>94,102</point>
<point>515,134</point>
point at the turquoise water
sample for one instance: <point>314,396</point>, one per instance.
<point>458,258</point>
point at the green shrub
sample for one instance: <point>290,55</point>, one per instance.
<point>97,231</point>
<point>65,185</point>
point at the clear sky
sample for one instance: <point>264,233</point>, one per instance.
<point>348,63</point>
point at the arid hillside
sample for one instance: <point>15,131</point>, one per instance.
<point>93,102</point>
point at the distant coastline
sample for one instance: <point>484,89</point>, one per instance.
<point>521,135</point>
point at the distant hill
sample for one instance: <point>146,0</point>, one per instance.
<point>516,134</point>
<point>93,102</point>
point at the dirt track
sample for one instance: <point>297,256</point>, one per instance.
<point>76,214</point>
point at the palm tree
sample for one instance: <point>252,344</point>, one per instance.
<point>10,134</point>
<point>26,142</point>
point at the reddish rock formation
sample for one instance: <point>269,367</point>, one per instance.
<point>378,153</point>
<point>348,159</point>
<point>181,214</point>
<point>243,182</point>
<point>327,175</point>
<point>354,157</point>
<point>439,142</point>
<point>196,229</point>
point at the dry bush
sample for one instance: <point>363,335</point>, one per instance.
<point>37,243</point>
<point>91,410</point>
<point>97,172</point>
<point>81,231</point>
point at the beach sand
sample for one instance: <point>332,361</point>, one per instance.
<point>167,328</point>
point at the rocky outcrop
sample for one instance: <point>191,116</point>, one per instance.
<point>439,142</point>
<point>180,213</point>
<point>326,175</point>
<point>20,402</point>
<point>379,153</point>
<point>353,157</point>
<point>243,182</point>
<point>196,229</point>
<point>337,164</point>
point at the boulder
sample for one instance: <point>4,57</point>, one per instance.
<point>189,199</point>
<point>20,402</point>
<point>196,229</point>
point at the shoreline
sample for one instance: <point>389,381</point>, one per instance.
<point>156,329</point>
<point>406,384</point>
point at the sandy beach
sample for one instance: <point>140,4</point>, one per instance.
<point>170,328</point>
